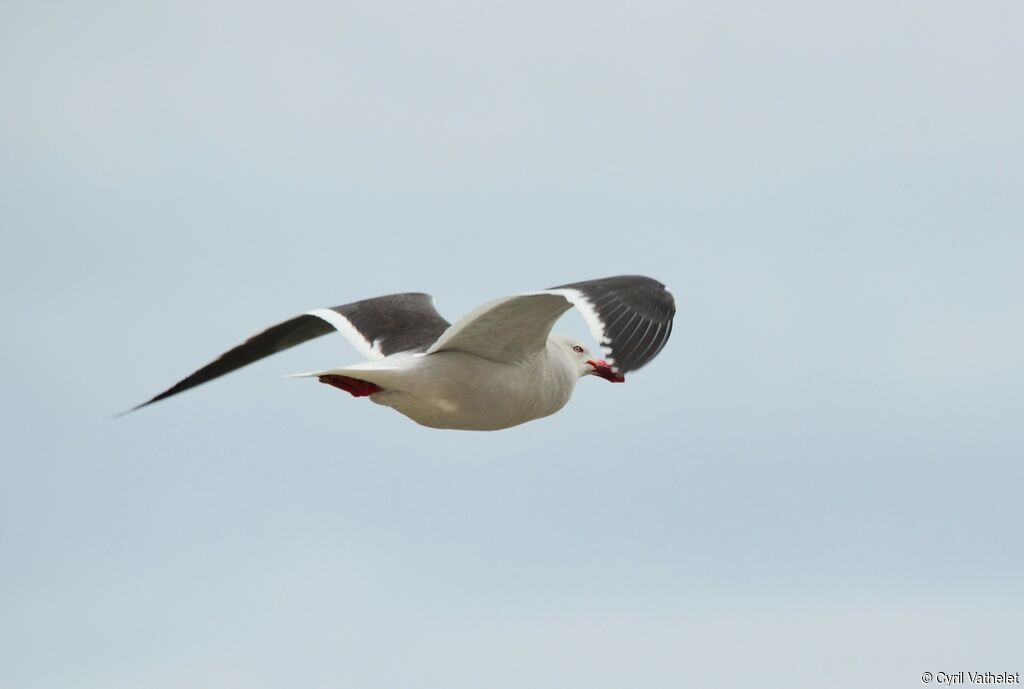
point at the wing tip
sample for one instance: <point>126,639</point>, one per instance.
<point>137,407</point>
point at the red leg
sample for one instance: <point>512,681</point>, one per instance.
<point>353,386</point>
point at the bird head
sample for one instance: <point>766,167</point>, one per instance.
<point>586,363</point>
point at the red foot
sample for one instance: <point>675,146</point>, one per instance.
<point>353,386</point>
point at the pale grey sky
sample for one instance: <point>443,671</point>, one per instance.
<point>819,479</point>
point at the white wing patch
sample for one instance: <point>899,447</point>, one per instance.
<point>370,350</point>
<point>580,301</point>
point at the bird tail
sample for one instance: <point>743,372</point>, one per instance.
<point>381,373</point>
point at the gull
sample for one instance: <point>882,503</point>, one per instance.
<point>497,367</point>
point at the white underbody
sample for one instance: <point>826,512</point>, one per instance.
<point>457,390</point>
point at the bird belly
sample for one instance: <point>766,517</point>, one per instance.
<point>434,412</point>
<point>489,400</point>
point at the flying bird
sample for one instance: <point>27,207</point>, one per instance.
<point>498,367</point>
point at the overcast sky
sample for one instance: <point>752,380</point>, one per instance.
<point>818,482</point>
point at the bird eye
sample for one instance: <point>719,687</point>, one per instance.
<point>577,349</point>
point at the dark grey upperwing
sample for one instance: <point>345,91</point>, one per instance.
<point>376,327</point>
<point>630,315</point>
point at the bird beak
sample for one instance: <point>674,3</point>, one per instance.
<point>604,369</point>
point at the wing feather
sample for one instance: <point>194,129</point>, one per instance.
<point>627,315</point>
<point>376,327</point>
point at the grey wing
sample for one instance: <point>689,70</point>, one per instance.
<point>376,327</point>
<point>630,315</point>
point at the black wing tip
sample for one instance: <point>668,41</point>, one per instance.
<point>137,407</point>
<point>617,302</point>
<point>636,278</point>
